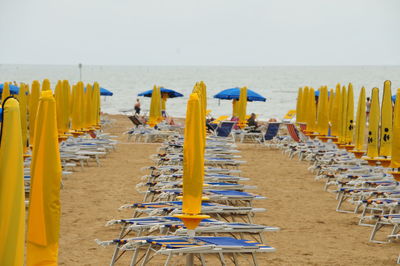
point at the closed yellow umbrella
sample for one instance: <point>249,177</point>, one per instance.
<point>159,105</point>
<point>349,126</point>
<point>46,85</point>
<point>12,194</point>
<point>77,109</point>
<point>96,96</point>
<point>331,100</point>
<point>311,112</point>
<point>6,91</point>
<point>88,106</point>
<point>323,112</point>
<point>72,108</point>
<point>58,91</point>
<point>360,126</point>
<point>44,202</point>
<point>66,110</point>
<point>193,164</point>
<point>299,108</point>
<point>395,159</point>
<point>242,107</point>
<point>385,149</point>
<point>153,116</point>
<point>22,99</point>
<point>343,116</point>
<point>204,94</point>
<point>235,108</point>
<point>33,105</point>
<point>336,108</point>
<point>93,104</point>
<point>304,107</point>
<point>201,91</point>
<point>373,128</point>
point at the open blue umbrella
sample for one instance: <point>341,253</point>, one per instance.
<point>234,93</point>
<point>104,92</point>
<point>171,93</point>
<point>13,89</point>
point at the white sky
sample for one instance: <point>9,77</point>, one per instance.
<point>202,32</point>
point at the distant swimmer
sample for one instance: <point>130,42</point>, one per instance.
<point>137,107</point>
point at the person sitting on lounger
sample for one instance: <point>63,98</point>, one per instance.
<point>252,123</point>
<point>211,127</point>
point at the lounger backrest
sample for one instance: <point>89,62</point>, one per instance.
<point>272,131</point>
<point>135,120</point>
<point>303,127</point>
<point>293,132</point>
<point>224,129</point>
<point>289,116</point>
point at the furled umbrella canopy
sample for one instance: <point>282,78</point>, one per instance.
<point>58,94</point>
<point>66,110</point>
<point>385,149</point>
<point>349,127</point>
<point>155,108</point>
<point>193,164</point>
<point>343,116</point>
<point>360,122</point>
<point>331,100</point>
<point>242,107</point>
<point>96,100</point>
<point>23,106</point>
<point>12,194</point>
<point>33,105</point>
<point>336,108</point>
<point>373,127</point>
<point>395,159</point>
<point>46,86</point>
<point>299,107</point>
<point>304,102</point>
<point>44,202</point>
<point>311,112</point>
<point>323,112</point>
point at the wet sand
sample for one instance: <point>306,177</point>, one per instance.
<point>312,233</point>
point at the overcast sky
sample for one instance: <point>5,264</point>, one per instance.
<point>202,32</point>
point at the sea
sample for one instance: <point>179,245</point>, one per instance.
<point>279,84</point>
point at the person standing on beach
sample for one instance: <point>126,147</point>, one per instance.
<point>137,107</point>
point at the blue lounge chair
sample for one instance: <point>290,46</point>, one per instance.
<point>224,129</point>
<point>272,131</point>
<point>196,247</point>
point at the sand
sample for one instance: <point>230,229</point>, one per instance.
<point>312,233</point>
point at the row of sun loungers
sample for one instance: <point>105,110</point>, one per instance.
<point>152,229</point>
<point>224,129</point>
<point>77,152</point>
<point>371,192</point>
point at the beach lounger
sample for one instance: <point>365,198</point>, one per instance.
<point>228,197</point>
<point>219,211</point>
<point>197,247</point>
<point>207,178</point>
<point>168,225</point>
<point>224,129</point>
<point>392,220</point>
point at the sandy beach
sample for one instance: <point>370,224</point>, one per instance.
<point>312,233</point>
